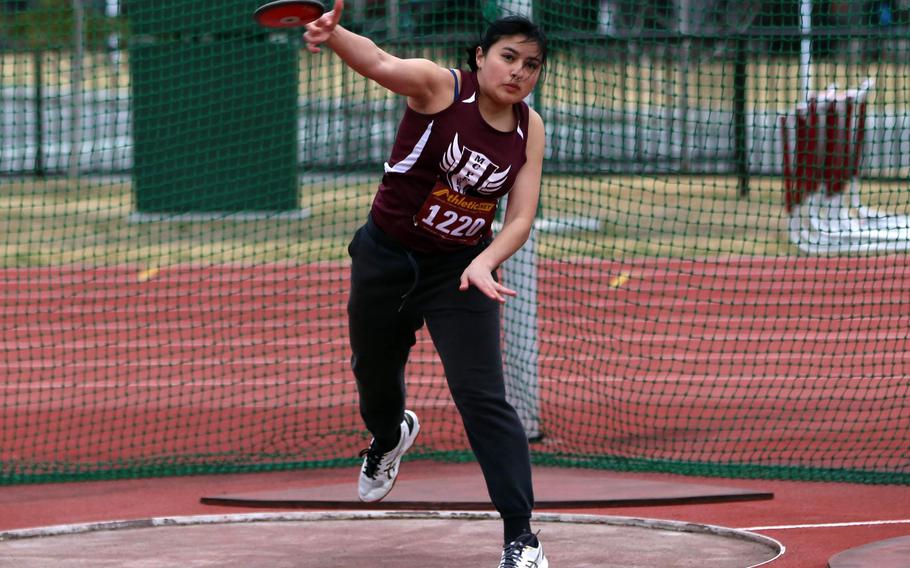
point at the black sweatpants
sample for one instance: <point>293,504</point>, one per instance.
<point>393,292</point>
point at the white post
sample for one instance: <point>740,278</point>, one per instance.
<point>520,341</point>
<point>392,16</point>
<point>605,24</point>
<point>357,9</point>
<point>520,327</point>
<point>112,10</point>
<point>76,86</point>
<point>805,49</point>
<point>520,7</point>
<point>682,82</point>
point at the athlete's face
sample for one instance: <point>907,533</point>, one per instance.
<point>508,71</point>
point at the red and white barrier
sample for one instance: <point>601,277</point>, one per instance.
<point>822,164</point>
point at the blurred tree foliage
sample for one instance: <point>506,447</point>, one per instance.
<point>50,24</point>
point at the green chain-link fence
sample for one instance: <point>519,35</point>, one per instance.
<point>717,283</point>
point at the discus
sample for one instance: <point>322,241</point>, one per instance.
<point>287,14</point>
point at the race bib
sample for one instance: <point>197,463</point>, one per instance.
<point>454,217</point>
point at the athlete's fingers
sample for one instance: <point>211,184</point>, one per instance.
<point>488,290</point>
<point>493,294</point>
<point>336,12</point>
<point>500,291</point>
<point>319,31</point>
<point>310,37</point>
<point>506,291</point>
<point>495,291</point>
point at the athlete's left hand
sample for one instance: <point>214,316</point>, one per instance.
<point>482,278</point>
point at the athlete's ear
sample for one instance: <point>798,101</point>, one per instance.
<point>479,56</point>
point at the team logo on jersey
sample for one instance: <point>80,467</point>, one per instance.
<point>468,171</point>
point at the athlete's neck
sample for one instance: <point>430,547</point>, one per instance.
<point>500,117</point>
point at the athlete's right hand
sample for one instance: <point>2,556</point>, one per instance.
<point>319,31</point>
<point>481,277</point>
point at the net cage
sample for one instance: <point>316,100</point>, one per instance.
<point>715,283</point>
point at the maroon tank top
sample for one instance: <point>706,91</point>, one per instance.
<point>446,173</point>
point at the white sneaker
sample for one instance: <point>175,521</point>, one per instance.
<point>524,552</point>
<point>377,476</point>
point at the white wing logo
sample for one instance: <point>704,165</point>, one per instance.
<point>495,181</point>
<point>452,156</point>
<point>466,170</point>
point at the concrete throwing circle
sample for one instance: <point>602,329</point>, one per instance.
<point>380,539</point>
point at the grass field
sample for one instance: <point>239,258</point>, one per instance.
<point>57,222</point>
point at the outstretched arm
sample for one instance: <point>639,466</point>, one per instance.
<point>420,80</point>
